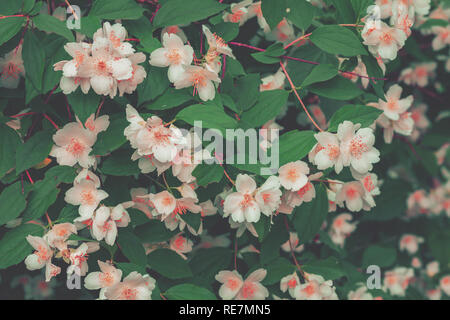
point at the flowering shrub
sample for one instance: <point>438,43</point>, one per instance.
<point>114,176</point>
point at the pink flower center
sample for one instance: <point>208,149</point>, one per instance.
<point>129,293</point>
<point>75,147</point>
<point>368,184</point>
<point>11,70</point>
<point>248,199</point>
<point>292,283</point>
<point>236,16</point>
<point>292,174</point>
<point>42,253</point>
<point>309,290</point>
<point>233,284</point>
<point>106,279</point>
<point>87,197</point>
<point>386,37</point>
<point>179,242</point>
<point>248,290</point>
<point>351,193</point>
<point>333,151</point>
<point>174,56</point>
<point>357,147</point>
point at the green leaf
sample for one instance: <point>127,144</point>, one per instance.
<point>380,256</point>
<point>10,27</point>
<point>329,268</point>
<point>335,39</point>
<point>374,70</point>
<point>153,232</point>
<point>48,23</point>
<point>363,115</point>
<point>429,23</point>
<point>60,174</point>
<point>42,196</point>
<point>111,139</point>
<point>131,247</point>
<point>391,202</point>
<point>226,30</point>
<point>428,160</point>
<point>89,25</point>
<point>153,85</point>
<point>207,173</point>
<point>123,9</point>
<point>309,216</point>
<point>345,13</point>
<point>9,141</point>
<point>299,71</point>
<point>360,8</point>
<point>278,269</point>
<point>128,268</point>
<point>301,13</point>
<point>268,107</point>
<point>273,11</point>
<point>271,55</point>
<point>83,104</point>
<point>295,144</point>
<point>438,243</point>
<point>206,263</point>
<point>120,164</point>
<point>68,214</point>
<point>34,151</point>
<point>189,291</point>
<point>210,115</point>
<point>33,59</point>
<point>338,88</point>
<point>169,264</point>
<point>246,91</point>
<point>12,202</point>
<point>270,247</point>
<point>179,12</point>
<point>14,247</point>
<point>321,72</point>
<point>170,99</point>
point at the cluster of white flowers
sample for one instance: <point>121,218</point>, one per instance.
<point>396,281</point>
<point>107,65</point>
<point>234,287</point>
<point>385,40</point>
<point>243,11</point>
<point>179,57</point>
<point>314,288</point>
<point>55,243</point>
<point>135,286</point>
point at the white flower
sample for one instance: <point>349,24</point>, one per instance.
<point>73,144</point>
<point>316,288</point>
<point>201,79</point>
<point>357,147</point>
<point>293,175</point>
<point>174,54</point>
<point>11,68</point>
<point>327,152</point>
<point>234,287</point>
<point>410,243</point>
<point>384,41</point>
<point>241,205</point>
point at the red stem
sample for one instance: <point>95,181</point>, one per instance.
<point>298,97</point>
<point>301,60</point>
